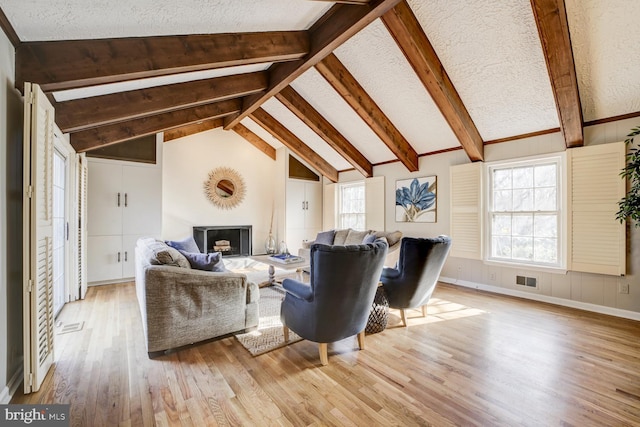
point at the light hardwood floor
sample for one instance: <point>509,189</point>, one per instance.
<point>476,359</point>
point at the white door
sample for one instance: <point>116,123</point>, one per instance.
<point>128,253</point>
<point>59,230</point>
<point>104,257</point>
<point>313,211</point>
<point>141,194</point>
<point>37,236</point>
<point>105,199</point>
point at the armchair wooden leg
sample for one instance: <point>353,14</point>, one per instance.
<point>424,311</point>
<point>361,340</point>
<point>285,331</point>
<point>322,348</point>
<point>403,316</point>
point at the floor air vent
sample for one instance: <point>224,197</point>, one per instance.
<point>71,327</point>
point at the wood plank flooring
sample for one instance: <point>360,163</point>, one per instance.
<point>476,359</point>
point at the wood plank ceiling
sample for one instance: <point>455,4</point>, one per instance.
<point>264,67</point>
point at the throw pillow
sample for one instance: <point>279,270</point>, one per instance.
<point>325,237</point>
<point>341,236</point>
<point>159,253</point>
<point>392,237</point>
<point>206,262</point>
<point>355,237</point>
<point>187,245</point>
<point>369,238</point>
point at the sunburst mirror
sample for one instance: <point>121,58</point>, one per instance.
<point>224,188</point>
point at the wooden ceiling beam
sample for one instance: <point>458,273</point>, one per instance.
<point>59,65</point>
<point>346,1</point>
<point>254,139</point>
<point>295,144</point>
<point>192,129</point>
<point>413,42</point>
<point>325,130</point>
<point>335,27</point>
<point>80,114</point>
<point>111,134</point>
<point>553,28</point>
<point>8,29</point>
<point>348,87</point>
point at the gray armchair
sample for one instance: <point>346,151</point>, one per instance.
<point>336,303</point>
<point>412,282</point>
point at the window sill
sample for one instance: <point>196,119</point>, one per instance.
<point>522,266</point>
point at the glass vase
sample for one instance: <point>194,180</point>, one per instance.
<point>270,245</point>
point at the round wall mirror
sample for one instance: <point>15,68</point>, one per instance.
<point>224,188</point>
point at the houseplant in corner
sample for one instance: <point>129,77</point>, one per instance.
<point>630,204</point>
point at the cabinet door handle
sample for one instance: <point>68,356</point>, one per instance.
<point>125,256</point>
<point>303,205</point>
<point>118,199</point>
<point>306,206</point>
<point>126,198</point>
<point>118,256</point>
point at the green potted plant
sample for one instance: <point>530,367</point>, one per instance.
<point>630,204</point>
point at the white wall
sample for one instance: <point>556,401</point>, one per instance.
<point>573,288</point>
<point>10,222</point>
<point>187,163</point>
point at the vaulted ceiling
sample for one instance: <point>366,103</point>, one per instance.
<point>345,85</point>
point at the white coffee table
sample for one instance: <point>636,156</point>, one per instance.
<point>294,266</point>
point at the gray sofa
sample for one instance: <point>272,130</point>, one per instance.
<point>180,305</point>
<point>350,236</point>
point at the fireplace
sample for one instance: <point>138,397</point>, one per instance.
<point>233,240</point>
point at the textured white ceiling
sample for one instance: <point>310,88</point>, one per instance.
<point>86,92</point>
<point>259,130</point>
<point>91,19</point>
<point>302,131</point>
<point>492,53</point>
<point>317,92</point>
<point>375,60</point>
<point>605,37</point>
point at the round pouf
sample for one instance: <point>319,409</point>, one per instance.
<point>379,314</point>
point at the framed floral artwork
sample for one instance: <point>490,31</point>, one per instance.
<point>416,199</point>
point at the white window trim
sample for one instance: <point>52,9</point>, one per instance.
<point>339,188</point>
<point>563,235</point>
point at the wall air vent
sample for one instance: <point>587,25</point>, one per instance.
<point>531,282</point>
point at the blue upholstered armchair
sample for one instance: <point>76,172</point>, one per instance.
<point>412,282</point>
<point>336,303</point>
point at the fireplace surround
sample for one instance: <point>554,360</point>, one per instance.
<point>238,236</point>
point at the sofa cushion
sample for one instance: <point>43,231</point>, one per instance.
<point>355,237</point>
<point>326,237</point>
<point>159,253</point>
<point>392,237</point>
<point>206,262</point>
<point>187,244</point>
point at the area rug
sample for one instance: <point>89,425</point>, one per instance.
<point>269,335</point>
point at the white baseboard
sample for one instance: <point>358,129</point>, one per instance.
<point>7,393</point>
<point>611,311</point>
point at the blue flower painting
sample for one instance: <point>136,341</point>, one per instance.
<point>416,200</point>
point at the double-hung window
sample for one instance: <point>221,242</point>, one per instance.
<point>525,213</point>
<point>351,205</point>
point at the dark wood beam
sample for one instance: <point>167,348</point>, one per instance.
<point>346,85</point>
<point>110,134</point>
<point>325,130</point>
<point>346,1</point>
<point>553,28</point>
<point>9,30</point>
<point>59,65</point>
<point>411,39</point>
<point>80,114</point>
<point>335,27</point>
<point>192,129</point>
<point>254,139</point>
<point>294,143</point>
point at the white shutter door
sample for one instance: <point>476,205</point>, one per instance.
<point>598,241</point>
<point>38,237</point>
<point>82,176</point>
<point>374,203</point>
<point>466,210</point>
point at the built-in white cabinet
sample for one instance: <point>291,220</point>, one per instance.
<point>124,203</point>
<point>303,212</point>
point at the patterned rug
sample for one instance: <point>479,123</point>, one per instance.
<point>269,335</point>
